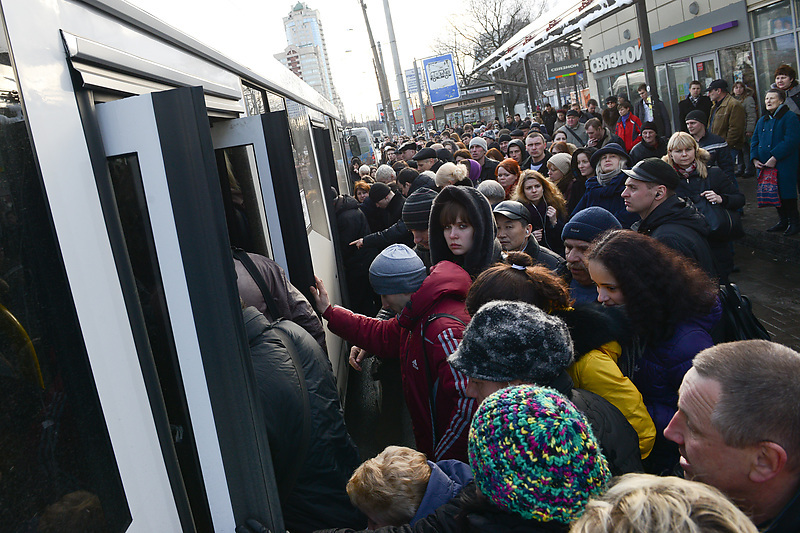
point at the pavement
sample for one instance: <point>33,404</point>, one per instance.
<point>769,270</point>
<point>756,220</point>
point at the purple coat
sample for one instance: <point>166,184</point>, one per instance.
<point>659,372</point>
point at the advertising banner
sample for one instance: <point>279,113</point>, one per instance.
<point>440,76</point>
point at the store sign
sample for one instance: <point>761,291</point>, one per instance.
<point>562,69</point>
<point>469,102</point>
<point>626,56</point>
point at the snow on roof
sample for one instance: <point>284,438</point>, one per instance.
<point>550,27</point>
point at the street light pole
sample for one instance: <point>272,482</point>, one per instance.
<point>401,86</point>
<point>383,86</point>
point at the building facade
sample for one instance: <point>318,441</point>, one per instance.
<point>307,54</point>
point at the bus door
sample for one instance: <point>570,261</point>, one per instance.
<point>163,185</point>
<point>271,158</point>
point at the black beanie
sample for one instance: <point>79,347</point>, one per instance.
<point>699,116</point>
<point>378,192</point>
<point>417,209</point>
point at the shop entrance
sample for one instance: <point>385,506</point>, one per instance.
<point>706,68</point>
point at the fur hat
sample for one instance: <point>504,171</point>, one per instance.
<point>505,341</point>
<point>786,70</point>
<point>397,270</point>
<point>534,455</point>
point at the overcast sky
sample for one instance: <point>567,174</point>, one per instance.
<point>251,31</point>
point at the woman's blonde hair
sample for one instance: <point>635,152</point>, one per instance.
<point>450,174</point>
<point>681,140</point>
<point>550,191</point>
<point>390,487</point>
<point>643,502</point>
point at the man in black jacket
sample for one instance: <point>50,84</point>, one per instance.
<point>694,101</point>
<point>312,453</point>
<point>537,153</point>
<point>652,145</point>
<point>650,193</point>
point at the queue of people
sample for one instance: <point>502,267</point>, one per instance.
<point>556,323</point>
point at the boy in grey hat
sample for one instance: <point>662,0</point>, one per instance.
<point>431,317</point>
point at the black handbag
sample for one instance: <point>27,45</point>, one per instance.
<point>725,225</point>
<point>738,322</point>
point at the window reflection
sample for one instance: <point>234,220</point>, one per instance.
<point>57,467</point>
<point>306,167</point>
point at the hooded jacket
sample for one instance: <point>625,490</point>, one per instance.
<point>318,496</point>
<point>659,372</point>
<point>598,333</point>
<point>608,197</point>
<point>680,226</point>
<point>443,291</point>
<point>447,479</point>
<point>485,248</point>
<point>547,258</point>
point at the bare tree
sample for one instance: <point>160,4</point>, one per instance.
<point>483,28</point>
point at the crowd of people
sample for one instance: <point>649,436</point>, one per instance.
<point>550,291</point>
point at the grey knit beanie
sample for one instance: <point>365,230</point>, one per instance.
<point>397,270</point>
<point>505,341</point>
<point>417,209</point>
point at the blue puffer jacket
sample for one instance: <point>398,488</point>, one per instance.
<point>448,477</point>
<point>659,372</point>
<point>608,197</point>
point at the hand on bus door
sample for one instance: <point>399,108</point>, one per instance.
<point>320,295</point>
<point>356,356</point>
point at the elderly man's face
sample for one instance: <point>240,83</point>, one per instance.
<point>572,121</point>
<point>704,455</point>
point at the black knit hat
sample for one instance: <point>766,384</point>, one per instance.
<point>650,125</point>
<point>610,148</point>
<point>417,209</point>
<point>697,115</point>
<point>505,137</point>
<point>506,341</point>
<point>378,192</point>
<point>655,170</point>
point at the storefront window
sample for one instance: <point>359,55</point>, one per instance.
<point>736,64</point>
<point>770,54</point>
<point>680,76</point>
<point>635,79</point>
<point>772,20</point>
<point>619,86</point>
<point>487,113</point>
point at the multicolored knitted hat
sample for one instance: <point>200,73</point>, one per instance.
<point>534,455</point>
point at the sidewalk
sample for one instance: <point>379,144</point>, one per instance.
<point>756,221</point>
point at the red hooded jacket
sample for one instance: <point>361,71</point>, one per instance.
<point>443,291</point>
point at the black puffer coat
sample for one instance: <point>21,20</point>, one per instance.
<point>317,497</point>
<point>680,226</point>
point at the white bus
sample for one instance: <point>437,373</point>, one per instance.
<point>131,158</point>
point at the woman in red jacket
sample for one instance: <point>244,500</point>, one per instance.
<point>629,127</point>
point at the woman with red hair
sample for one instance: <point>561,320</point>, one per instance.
<point>507,174</point>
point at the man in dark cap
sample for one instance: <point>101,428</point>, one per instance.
<point>574,130</point>
<point>389,204</point>
<point>577,235</point>
<point>408,150</point>
<point>652,145</point>
<point>504,139</point>
<point>426,159</point>
<point>514,230</point>
<point>694,101</point>
<point>727,117</point>
<point>721,156</point>
<point>650,193</point>
<point>517,134</point>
